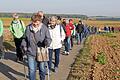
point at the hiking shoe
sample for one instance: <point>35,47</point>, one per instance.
<point>21,59</point>
<point>48,73</point>
<point>17,60</point>
<point>67,53</point>
<point>56,69</point>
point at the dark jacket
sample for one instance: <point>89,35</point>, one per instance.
<point>45,21</point>
<point>64,25</point>
<point>42,38</point>
<point>79,28</point>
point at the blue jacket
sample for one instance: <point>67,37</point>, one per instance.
<point>42,38</point>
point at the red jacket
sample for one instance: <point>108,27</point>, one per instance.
<point>68,29</point>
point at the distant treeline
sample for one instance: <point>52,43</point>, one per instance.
<point>111,19</point>
<point>104,18</point>
<point>84,17</point>
<point>28,15</point>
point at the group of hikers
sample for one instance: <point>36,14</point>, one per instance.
<point>109,29</point>
<point>104,29</point>
<point>44,35</point>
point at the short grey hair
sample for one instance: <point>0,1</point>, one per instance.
<point>53,18</point>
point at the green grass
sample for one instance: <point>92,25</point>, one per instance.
<point>101,58</point>
<point>110,35</point>
<point>80,68</point>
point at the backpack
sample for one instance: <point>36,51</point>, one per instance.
<point>61,30</point>
<point>63,26</point>
<point>80,28</point>
<point>21,25</point>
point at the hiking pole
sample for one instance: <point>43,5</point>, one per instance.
<point>24,52</point>
<point>2,53</point>
<point>48,72</point>
<point>24,68</point>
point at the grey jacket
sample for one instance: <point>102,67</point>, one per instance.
<point>42,38</point>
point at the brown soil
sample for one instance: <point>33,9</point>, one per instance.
<point>87,66</point>
<point>105,44</point>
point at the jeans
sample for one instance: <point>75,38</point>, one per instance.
<point>57,52</point>
<point>71,41</point>
<point>32,64</point>
<point>67,44</point>
<point>79,37</point>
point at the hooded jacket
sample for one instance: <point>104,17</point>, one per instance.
<point>17,28</point>
<point>58,35</point>
<point>68,28</point>
<point>42,38</point>
<point>1,28</point>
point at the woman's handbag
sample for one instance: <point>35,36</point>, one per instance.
<point>42,52</point>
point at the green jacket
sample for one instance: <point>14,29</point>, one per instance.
<point>17,28</point>
<point>1,28</point>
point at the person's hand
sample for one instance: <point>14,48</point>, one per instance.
<point>24,49</point>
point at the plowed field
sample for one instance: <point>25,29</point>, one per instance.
<point>88,66</point>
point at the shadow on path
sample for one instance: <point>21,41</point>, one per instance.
<point>9,72</point>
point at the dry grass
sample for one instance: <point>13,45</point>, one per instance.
<point>7,21</point>
<point>102,23</point>
<point>88,22</point>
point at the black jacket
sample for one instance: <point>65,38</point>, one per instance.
<point>79,28</point>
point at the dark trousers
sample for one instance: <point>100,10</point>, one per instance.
<point>18,48</point>
<point>1,44</point>
<point>71,41</point>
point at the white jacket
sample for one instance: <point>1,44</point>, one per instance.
<point>58,35</point>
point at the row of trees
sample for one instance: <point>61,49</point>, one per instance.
<point>105,18</point>
<point>28,15</point>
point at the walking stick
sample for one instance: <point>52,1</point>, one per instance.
<point>24,69</point>
<point>24,52</point>
<point>2,53</point>
<point>48,72</point>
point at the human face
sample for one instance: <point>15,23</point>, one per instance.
<point>36,23</point>
<point>41,14</point>
<point>64,20</point>
<point>71,22</point>
<point>53,22</point>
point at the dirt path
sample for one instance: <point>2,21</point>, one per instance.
<point>65,64</point>
<point>11,70</point>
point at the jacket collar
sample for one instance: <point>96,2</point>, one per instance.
<point>36,29</point>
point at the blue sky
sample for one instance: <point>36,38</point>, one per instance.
<point>85,7</point>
